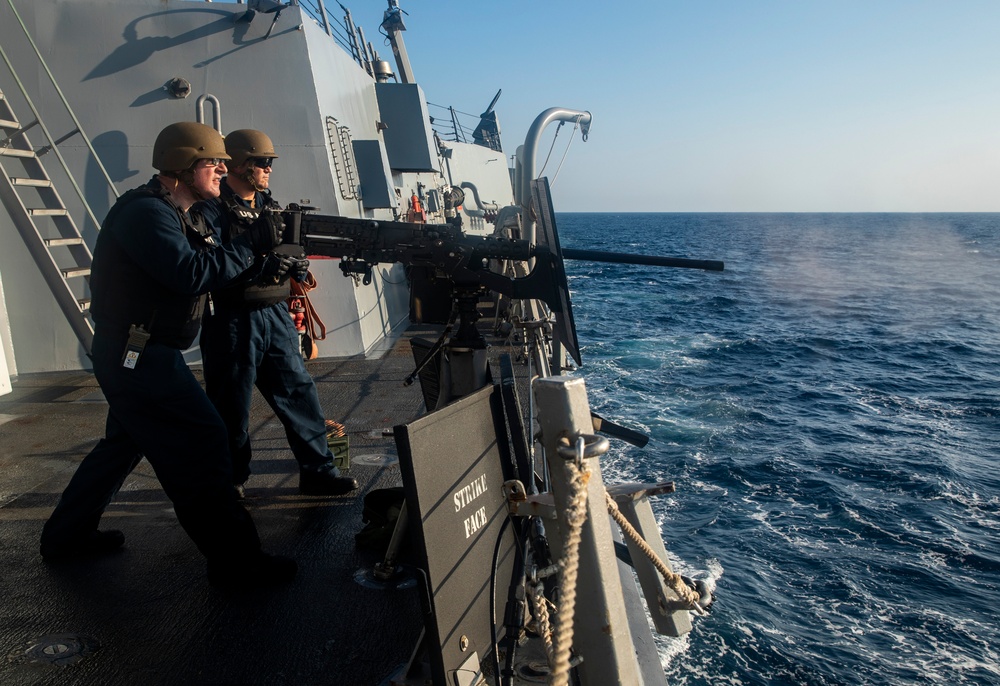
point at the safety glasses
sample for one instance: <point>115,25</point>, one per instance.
<point>262,162</point>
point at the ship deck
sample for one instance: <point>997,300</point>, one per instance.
<point>146,615</point>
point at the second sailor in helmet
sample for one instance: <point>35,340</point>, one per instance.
<point>249,338</point>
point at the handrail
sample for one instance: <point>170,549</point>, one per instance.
<point>216,110</point>
<point>316,10</point>
<point>69,109</point>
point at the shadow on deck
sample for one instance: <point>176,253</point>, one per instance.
<point>147,614</point>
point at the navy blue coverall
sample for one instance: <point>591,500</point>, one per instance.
<point>150,268</point>
<point>244,344</point>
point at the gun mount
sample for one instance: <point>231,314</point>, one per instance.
<point>361,244</point>
<point>462,400</point>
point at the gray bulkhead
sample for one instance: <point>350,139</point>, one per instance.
<point>481,172</point>
<point>112,61</point>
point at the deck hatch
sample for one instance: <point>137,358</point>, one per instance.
<point>55,649</point>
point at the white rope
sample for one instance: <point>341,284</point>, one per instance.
<point>551,148</point>
<point>558,640</point>
<point>574,518</point>
<point>540,604</point>
<point>555,176</point>
<point>674,581</point>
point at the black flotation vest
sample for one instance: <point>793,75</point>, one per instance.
<point>255,293</point>
<point>123,294</point>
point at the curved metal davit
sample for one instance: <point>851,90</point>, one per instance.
<point>530,149</point>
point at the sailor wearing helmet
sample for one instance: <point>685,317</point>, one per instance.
<point>248,339</point>
<point>153,264</point>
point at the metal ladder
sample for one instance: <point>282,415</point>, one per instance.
<point>49,231</point>
<point>36,208</point>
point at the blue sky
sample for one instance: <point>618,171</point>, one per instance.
<point>731,105</point>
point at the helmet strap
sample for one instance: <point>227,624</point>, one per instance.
<point>187,178</point>
<point>247,175</point>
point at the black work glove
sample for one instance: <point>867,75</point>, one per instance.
<point>299,269</point>
<point>275,267</point>
<point>266,232</point>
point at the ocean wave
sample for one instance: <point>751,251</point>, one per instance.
<point>827,410</point>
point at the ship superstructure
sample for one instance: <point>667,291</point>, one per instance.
<point>102,78</point>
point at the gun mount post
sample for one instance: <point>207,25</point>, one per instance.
<point>602,631</point>
<point>467,367</point>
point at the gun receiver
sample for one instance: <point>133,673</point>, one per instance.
<point>363,243</point>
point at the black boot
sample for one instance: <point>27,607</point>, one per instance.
<point>94,543</point>
<point>324,479</point>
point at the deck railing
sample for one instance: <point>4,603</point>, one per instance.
<point>453,126</point>
<point>316,10</point>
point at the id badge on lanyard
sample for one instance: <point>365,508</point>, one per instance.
<point>137,339</point>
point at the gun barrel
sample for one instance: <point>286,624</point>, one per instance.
<point>653,260</point>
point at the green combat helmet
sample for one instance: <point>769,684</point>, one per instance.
<point>246,143</point>
<point>182,144</point>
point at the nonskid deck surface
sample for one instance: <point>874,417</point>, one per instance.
<point>147,615</point>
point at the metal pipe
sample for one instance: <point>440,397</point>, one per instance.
<point>352,36</point>
<point>519,177</point>
<point>459,133</point>
<point>475,195</point>
<point>364,46</point>
<point>530,148</point>
<point>322,14</point>
<point>216,110</point>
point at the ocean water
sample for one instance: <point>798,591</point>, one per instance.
<point>829,408</point>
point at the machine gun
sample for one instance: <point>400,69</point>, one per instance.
<point>495,448</point>
<point>361,244</point>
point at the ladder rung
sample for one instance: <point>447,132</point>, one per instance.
<point>37,183</point>
<point>60,212</point>
<point>84,304</point>
<point>53,242</point>
<point>9,124</point>
<point>71,272</point>
<point>17,152</point>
